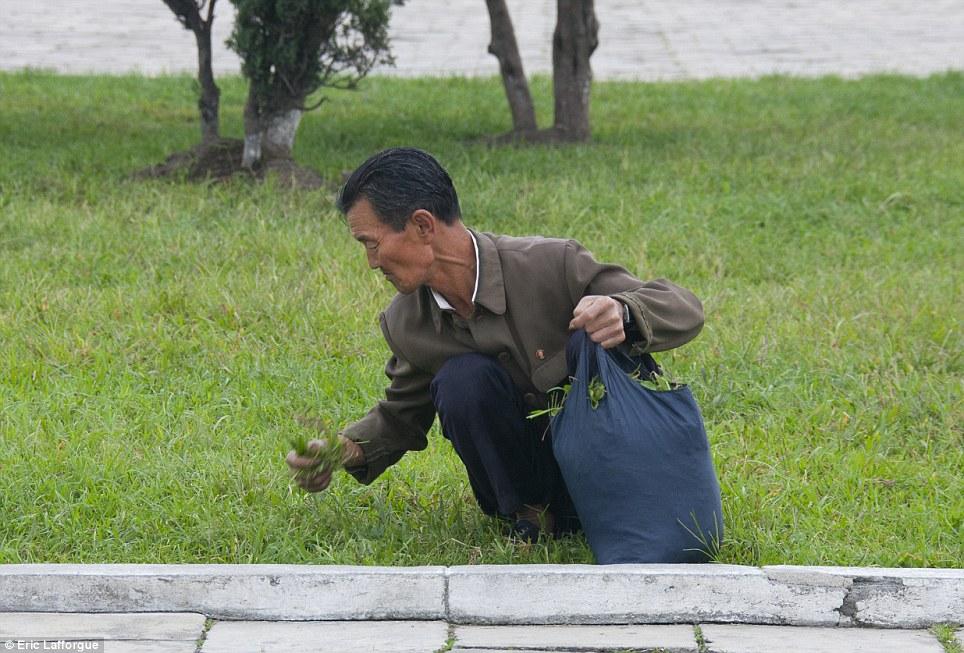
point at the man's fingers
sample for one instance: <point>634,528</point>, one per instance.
<point>613,342</point>
<point>608,337</point>
<point>315,447</point>
<point>297,462</point>
<point>294,460</point>
<point>318,482</point>
<point>313,481</point>
<point>586,312</point>
<point>583,321</point>
<point>308,471</point>
<point>312,458</point>
<point>605,320</point>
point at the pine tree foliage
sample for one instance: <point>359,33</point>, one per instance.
<point>291,48</point>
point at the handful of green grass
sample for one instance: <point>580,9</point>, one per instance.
<point>330,454</point>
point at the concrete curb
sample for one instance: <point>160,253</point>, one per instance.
<point>285,592</point>
<point>508,594</point>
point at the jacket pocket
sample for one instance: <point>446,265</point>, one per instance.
<point>550,372</point>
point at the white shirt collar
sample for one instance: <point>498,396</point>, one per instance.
<point>441,301</point>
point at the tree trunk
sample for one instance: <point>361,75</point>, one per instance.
<point>506,50</point>
<point>278,137</point>
<point>252,132</point>
<point>269,135</point>
<point>188,13</point>
<point>209,101</point>
<point>575,39</point>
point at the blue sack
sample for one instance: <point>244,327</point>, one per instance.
<point>637,465</point>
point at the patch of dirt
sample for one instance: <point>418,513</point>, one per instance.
<point>221,160</point>
<point>289,173</point>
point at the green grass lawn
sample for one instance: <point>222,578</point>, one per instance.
<point>157,338</point>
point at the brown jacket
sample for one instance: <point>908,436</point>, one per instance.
<point>528,289</point>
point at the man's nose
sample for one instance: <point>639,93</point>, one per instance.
<point>372,258</point>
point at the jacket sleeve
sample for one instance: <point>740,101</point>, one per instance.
<point>398,423</point>
<point>667,315</point>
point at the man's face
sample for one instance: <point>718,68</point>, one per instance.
<point>402,256</point>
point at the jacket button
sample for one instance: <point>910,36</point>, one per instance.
<point>529,398</point>
<point>504,356</point>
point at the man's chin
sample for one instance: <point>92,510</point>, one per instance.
<point>402,290</point>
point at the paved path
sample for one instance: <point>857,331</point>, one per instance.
<point>193,633</point>
<point>640,39</point>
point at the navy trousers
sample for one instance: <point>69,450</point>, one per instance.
<point>508,457</point>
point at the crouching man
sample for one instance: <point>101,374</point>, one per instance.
<point>478,333</point>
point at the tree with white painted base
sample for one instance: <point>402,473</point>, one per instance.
<point>290,49</point>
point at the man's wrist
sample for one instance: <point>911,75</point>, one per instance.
<point>629,324</point>
<point>354,455</point>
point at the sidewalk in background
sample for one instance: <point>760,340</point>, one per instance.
<point>691,39</point>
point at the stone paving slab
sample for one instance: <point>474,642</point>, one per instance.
<point>576,637</point>
<point>326,637</point>
<point>148,646</point>
<point>144,626</point>
<point>120,633</point>
<point>661,649</point>
<point>638,39</point>
<point>796,639</point>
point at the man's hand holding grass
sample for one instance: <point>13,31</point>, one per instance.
<point>312,463</point>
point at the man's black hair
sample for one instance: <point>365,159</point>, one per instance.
<point>399,181</point>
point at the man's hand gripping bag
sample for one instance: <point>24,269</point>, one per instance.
<point>637,464</point>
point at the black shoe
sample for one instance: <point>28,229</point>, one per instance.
<point>525,530</point>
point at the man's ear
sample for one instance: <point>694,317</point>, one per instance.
<point>424,223</point>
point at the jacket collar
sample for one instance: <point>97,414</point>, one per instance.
<point>490,293</point>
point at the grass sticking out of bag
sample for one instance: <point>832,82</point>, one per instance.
<point>597,392</point>
<point>656,383</point>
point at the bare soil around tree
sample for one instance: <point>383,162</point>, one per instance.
<point>221,160</point>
